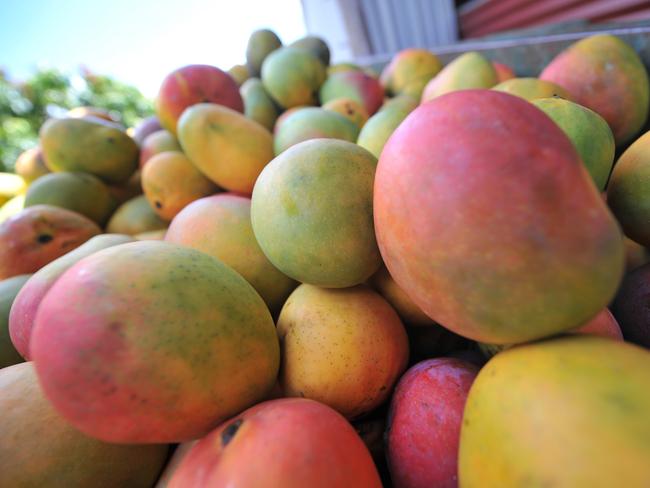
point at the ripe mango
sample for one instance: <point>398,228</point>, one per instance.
<point>469,70</point>
<point>350,109</point>
<point>357,85</point>
<point>157,142</point>
<point>31,165</point>
<point>532,88</point>
<point>378,129</point>
<point>134,217</point>
<point>409,71</point>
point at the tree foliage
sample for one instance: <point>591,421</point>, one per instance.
<point>26,105</point>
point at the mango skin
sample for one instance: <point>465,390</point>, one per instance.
<point>134,368</point>
<point>31,165</point>
<point>79,192</point>
<point>9,288</point>
<point>220,226</point>
<point>532,88</point>
<point>605,74</point>
<point>319,192</point>
<point>314,45</point>
<point>293,77</point>
<point>627,192</point>
<point>630,306</point>
<point>40,234</point>
<point>589,133</point>
<point>344,348</point>
<point>144,128</point>
<point>135,216</point>
<point>90,146</point>
<point>424,421</point>
<point>356,85</point>
<point>171,182</point>
<point>409,71</point>
<point>261,43</point>
<point>468,71</point>
<point>189,85</point>
<point>592,393</point>
<point>503,71</point>
<point>258,104</point>
<point>350,109</point>
<point>225,146</point>
<point>159,141</point>
<point>290,442</point>
<point>40,448</point>
<point>239,73</point>
<point>27,301</point>
<point>549,259</point>
<point>313,123</point>
<point>379,127</point>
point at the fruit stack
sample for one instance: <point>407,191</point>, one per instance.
<point>304,275</point>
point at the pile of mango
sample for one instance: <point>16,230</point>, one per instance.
<point>300,274</point>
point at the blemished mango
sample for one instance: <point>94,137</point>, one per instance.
<point>350,109</point>
<point>89,145</point>
<point>225,146</point>
<point>318,192</point>
<point>135,216</point>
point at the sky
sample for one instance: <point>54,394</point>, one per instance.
<point>136,41</point>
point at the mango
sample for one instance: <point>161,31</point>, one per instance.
<point>592,393</point>
<point>635,254</point>
<point>409,71</point>
<point>313,123</point>
<point>319,193</point>
<point>152,235</point>
<point>90,146</point>
<point>605,74</point>
<point>532,88</point>
<point>258,104</point>
<point>292,443</point>
<point>220,226</point>
<point>350,109</point>
<point>225,146</point>
<point>261,43</point>
<point>11,185</point>
<point>239,73</point>
<point>131,188</point>
<point>285,115</point>
<point>167,342</point>
<point>170,182</point>
<point>157,142</point>
<point>37,235</point>
<point>628,190</point>
<point>356,85</point>
<point>189,85</point>
<point>335,68</point>
<point>80,192</point>
<point>425,418</point>
<point>40,448</point>
<point>379,127</point>
<point>12,207</point>
<point>135,217</point>
<point>26,303</point>
<point>144,128</point>
<point>174,461</point>
<point>589,133</point>
<point>31,165</point>
<point>314,45</point>
<point>100,113</point>
<point>293,77</point>
<point>9,288</point>
<point>469,70</point>
<point>344,348</point>
<point>505,270</point>
<point>630,307</point>
<point>503,71</point>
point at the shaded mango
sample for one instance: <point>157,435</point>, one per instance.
<point>314,45</point>
<point>258,104</point>
<point>409,71</point>
<point>260,44</point>
<point>9,288</point>
<point>348,108</point>
<point>532,88</point>
<point>135,216</point>
<point>157,142</point>
<point>356,85</point>
<point>30,164</point>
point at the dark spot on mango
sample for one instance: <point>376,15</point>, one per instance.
<point>230,431</point>
<point>158,204</point>
<point>44,238</point>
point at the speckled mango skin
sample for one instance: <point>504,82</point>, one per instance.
<point>312,213</point>
<point>159,141</point>
<point>293,77</point>
<point>220,226</point>
<point>409,71</point>
<point>468,71</point>
<point>288,443</point>
<point>189,85</point>
<point>350,109</point>
<point>89,145</point>
<point>492,268</point>
<point>225,146</point>
<point>313,123</point>
<point>564,413</point>
<point>357,85</point>
<point>532,88</point>
<point>628,192</point>
<point>258,104</point>
<point>170,182</point>
<point>589,133</point>
<point>605,74</point>
<point>135,217</point>
<point>23,310</point>
<point>40,448</point>
<point>154,343</point>
<point>344,348</point>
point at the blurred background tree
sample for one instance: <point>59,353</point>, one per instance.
<point>26,105</point>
